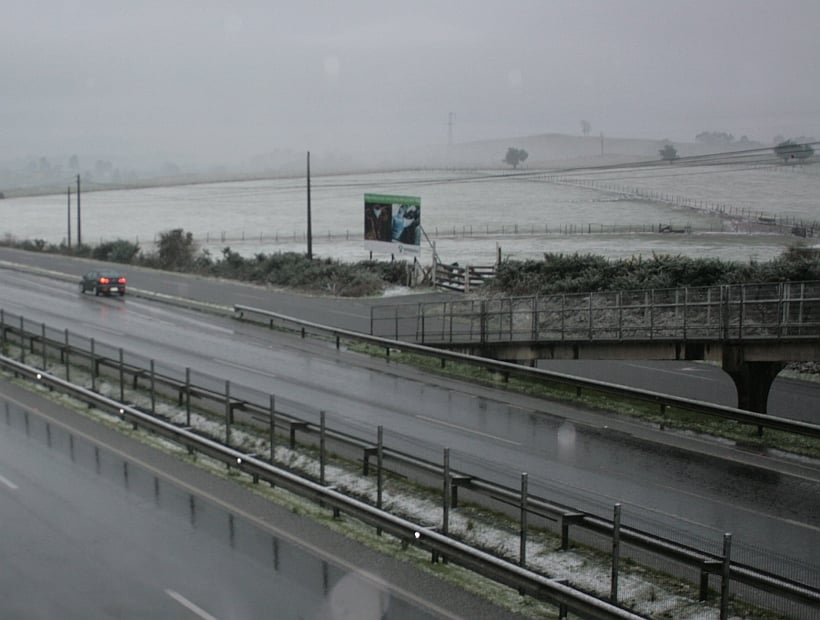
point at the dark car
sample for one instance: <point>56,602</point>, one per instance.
<point>103,282</point>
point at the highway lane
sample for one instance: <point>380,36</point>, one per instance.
<point>788,398</point>
<point>92,531</point>
<point>569,455</point>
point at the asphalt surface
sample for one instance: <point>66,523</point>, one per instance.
<point>99,525</point>
<point>625,455</point>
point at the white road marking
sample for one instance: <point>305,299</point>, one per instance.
<point>467,430</point>
<point>189,605</point>
<point>8,483</point>
<point>98,328</point>
<point>242,367</point>
<point>687,370</point>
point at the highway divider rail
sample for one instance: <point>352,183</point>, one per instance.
<point>742,579</point>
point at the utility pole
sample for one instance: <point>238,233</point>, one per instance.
<point>451,120</point>
<point>79,224</point>
<point>69,217</point>
<point>309,231</point>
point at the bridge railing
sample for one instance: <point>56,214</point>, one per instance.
<point>727,312</point>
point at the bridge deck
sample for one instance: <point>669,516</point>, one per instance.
<point>752,329</point>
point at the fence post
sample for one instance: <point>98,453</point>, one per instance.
<point>616,552</point>
<point>188,397</point>
<point>534,328</point>
<point>227,413</point>
<point>272,438</point>
<point>322,448</point>
<point>445,519</point>
<point>379,466</point>
<point>93,368</point>
<point>483,321</point>
<point>22,341</point>
<point>563,311</point>
<point>153,395</point>
<point>522,556</point>
<point>65,357</point>
<point>121,361</point>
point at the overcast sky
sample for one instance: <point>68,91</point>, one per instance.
<point>215,81</point>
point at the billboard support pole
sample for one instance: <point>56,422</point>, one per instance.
<point>309,232</point>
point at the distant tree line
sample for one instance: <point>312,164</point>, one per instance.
<point>721,138</point>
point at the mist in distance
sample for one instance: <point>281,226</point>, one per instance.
<point>193,85</point>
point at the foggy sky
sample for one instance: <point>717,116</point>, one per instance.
<point>206,81</point>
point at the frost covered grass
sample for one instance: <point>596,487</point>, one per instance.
<point>646,592</point>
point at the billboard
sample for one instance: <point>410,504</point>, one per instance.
<point>392,224</point>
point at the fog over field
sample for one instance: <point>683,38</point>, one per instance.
<point>95,87</point>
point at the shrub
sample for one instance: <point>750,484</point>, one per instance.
<point>176,250</point>
<point>560,273</point>
<point>119,251</point>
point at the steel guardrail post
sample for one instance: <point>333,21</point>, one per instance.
<point>522,550</point>
<point>188,396</point>
<point>272,428</point>
<point>43,337</point>
<point>725,576</point>
<point>121,368</point>
<point>228,413</point>
<point>445,498</point>
<point>616,552</point>
<point>379,466</point>
<point>93,366</point>
<point>22,341</point>
<point>322,455</point>
<point>152,378</point>
<point>67,355</point>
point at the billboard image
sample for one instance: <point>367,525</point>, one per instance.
<point>392,224</point>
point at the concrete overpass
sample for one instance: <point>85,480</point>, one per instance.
<point>752,330</point>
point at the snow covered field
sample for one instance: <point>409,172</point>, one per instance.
<point>462,212</point>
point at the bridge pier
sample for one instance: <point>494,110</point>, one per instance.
<point>753,380</point>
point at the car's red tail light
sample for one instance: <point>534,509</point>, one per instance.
<point>103,280</point>
<point>120,280</point>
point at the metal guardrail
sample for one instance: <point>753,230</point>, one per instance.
<point>777,311</point>
<point>707,563</point>
<point>497,569</point>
